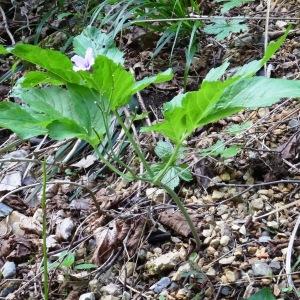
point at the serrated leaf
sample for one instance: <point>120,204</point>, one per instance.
<point>222,28</point>
<point>101,43</point>
<point>230,4</point>
<point>235,129</point>
<point>214,150</point>
<point>164,150</point>
<point>184,172</point>
<point>263,294</point>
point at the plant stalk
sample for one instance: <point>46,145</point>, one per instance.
<point>44,232</point>
<point>134,144</point>
<point>184,212</point>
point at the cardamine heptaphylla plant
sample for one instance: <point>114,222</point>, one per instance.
<point>66,100</point>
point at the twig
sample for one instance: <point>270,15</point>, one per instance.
<point>288,260</point>
<point>6,26</point>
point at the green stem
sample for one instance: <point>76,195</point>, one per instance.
<point>44,233</point>
<point>171,160</point>
<point>184,212</point>
<point>134,144</point>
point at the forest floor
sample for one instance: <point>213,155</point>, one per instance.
<point>246,208</point>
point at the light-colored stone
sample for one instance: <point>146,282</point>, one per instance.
<point>110,297</point>
<point>261,268</point>
<point>231,276</point>
<point>273,224</point>
<point>217,195</point>
<point>87,296</point>
<point>8,270</point>
<point>215,243</point>
<point>257,204</point>
<point>227,260</point>
<point>224,240</point>
<point>243,230</point>
<point>211,272</point>
<point>157,195</point>
<point>164,262</point>
<point>127,270</point>
<point>280,24</point>
<point>111,289</point>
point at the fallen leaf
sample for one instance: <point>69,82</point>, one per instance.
<point>11,181</point>
<point>64,229</point>
<point>176,221</point>
<point>85,162</point>
<point>108,239</point>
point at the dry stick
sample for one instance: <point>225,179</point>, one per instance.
<point>288,260</point>
<point>6,26</point>
<point>92,195</point>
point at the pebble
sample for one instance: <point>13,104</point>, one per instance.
<point>257,204</point>
<point>273,224</point>
<point>111,289</point>
<point>164,262</point>
<point>160,285</point>
<point>260,268</point>
<point>275,265</point>
<point>231,276</point>
<point>280,24</point>
<point>215,243</point>
<point>224,240</point>
<point>217,195</point>
<point>64,229</point>
<point>243,230</point>
<point>226,260</point>
<point>87,296</point>
<point>9,270</point>
<point>109,297</point>
<point>264,239</point>
<point>262,112</point>
<point>211,272</point>
<point>157,195</point>
<point>127,270</point>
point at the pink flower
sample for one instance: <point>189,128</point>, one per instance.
<point>83,63</point>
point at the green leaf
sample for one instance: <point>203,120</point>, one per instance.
<point>22,122</point>
<point>101,43</point>
<point>185,112</point>
<point>68,260</point>
<point>164,150</point>
<point>229,4</point>
<point>235,129</point>
<point>34,78</point>
<point>252,67</point>
<point>67,113</point>
<point>85,266</point>
<point>159,78</point>
<point>214,150</point>
<point>184,172</point>
<point>263,294</point>
<point>222,28</point>
<point>216,73</point>
<point>3,50</point>
<point>231,151</point>
<point>51,60</point>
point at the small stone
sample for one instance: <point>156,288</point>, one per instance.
<point>231,276</point>
<point>127,270</point>
<point>260,268</point>
<point>235,227</point>
<point>87,296</point>
<point>111,289</point>
<point>215,243</point>
<point>181,270</point>
<point>126,296</point>
<point>109,297</point>
<point>273,224</point>
<point>243,230</point>
<point>222,209</point>
<point>280,24</point>
<point>275,265</point>
<point>264,239</point>
<point>183,294</point>
<point>226,291</point>
<point>217,195</point>
<point>160,285</point>
<point>207,232</point>
<point>65,229</point>
<point>262,112</point>
<point>227,260</point>
<point>157,195</point>
<point>224,240</point>
<point>257,204</point>
<point>164,262</point>
<point>211,272</point>
<point>9,270</point>
<point>210,251</point>
<point>225,176</point>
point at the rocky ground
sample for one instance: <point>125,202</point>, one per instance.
<point>246,207</point>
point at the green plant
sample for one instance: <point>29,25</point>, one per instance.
<point>121,14</point>
<point>230,4</point>
<point>263,294</point>
<point>65,103</point>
